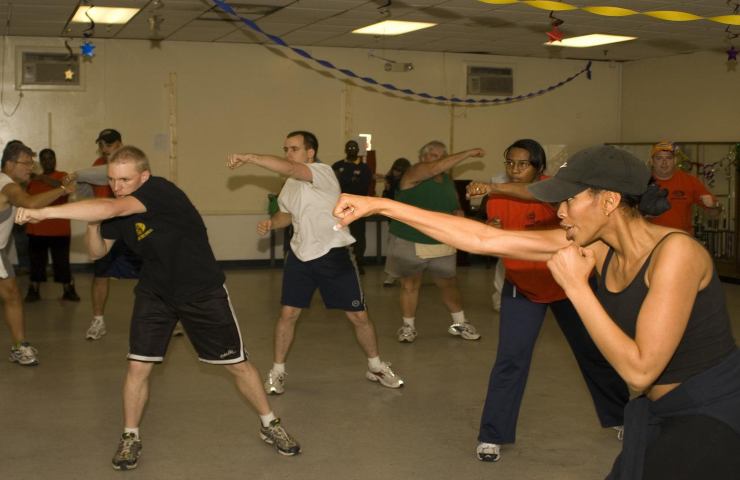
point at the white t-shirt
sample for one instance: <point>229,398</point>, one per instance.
<point>311,205</point>
<point>7,216</point>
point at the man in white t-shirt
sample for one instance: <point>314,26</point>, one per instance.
<point>319,256</point>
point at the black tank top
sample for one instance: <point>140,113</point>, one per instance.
<point>708,337</point>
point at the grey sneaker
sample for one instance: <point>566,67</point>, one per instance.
<point>127,455</point>
<point>488,452</point>
<point>96,330</point>
<point>24,354</point>
<point>464,330</point>
<point>276,435</point>
<point>385,376</point>
<point>406,333</point>
<point>275,383</point>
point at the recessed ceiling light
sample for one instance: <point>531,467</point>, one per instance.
<point>393,27</point>
<point>104,15</point>
<point>592,40</point>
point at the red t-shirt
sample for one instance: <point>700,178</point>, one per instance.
<point>532,279</point>
<point>54,227</point>
<point>684,190</point>
<point>101,191</point>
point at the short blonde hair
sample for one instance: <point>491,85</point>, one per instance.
<point>129,153</point>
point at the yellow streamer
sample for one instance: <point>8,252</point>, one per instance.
<point>606,11</point>
<point>673,16</point>
<point>550,5</point>
<point>610,11</point>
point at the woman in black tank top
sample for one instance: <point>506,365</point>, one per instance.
<point>659,315</point>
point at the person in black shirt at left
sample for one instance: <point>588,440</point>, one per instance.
<point>179,280</point>
<point>354,177</point>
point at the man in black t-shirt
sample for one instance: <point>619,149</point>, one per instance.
<point>179,280</point>
<point>354,177</point>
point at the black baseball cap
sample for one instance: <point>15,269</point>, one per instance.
<point>603,167</point>
<point>108,136</point>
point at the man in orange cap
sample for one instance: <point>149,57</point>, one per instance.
<point>684,189</point>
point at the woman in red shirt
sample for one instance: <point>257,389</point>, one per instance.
<point>529,289</point>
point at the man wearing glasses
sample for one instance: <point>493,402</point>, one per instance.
<point>319,256</point>
<point>17,164</point>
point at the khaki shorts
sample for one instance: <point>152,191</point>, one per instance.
<point>402,261</point>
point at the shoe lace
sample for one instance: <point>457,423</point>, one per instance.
<point>279,434</point>
<point>274,377</point>
<point>125,448</point>
<point>27,350</point>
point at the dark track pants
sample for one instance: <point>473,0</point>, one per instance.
<point>521,320</point>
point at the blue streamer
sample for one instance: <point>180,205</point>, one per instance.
<point>388,86</point>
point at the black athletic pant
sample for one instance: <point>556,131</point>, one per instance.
<point>38,248</point>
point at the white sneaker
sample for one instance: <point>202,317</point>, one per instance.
<point>406,333</point>
<point>464,330</point>
<point>24,354</point>
<point>488,452</point>
<point>385,376</point>
<point>389,281</point>
<point>96,330</point>
<point>620,432</point>
<point>275,383</point>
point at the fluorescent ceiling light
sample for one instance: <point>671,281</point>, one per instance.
<point>104,15</point>
<point>592,40</point>
<point>393,27</point>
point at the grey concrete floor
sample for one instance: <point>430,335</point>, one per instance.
<point>62,419</point>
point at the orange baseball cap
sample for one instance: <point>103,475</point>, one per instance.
<point>662,146</point>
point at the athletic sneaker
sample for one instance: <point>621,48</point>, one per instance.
<point>275,382</point>
<point>488,452</point>
<point>464,330</point>
<point>406,333</point>
<point>127,455</point>
<point>275,434</point>
<point>385,376</point>
<point>620,432</point>
<point>24,354</point>
<point>96,330</point>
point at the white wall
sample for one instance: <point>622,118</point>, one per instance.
<point>682,98</point>
<point>219,98</point>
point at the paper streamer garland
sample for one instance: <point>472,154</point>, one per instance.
<point>389,86</point>
<point>667,15</point>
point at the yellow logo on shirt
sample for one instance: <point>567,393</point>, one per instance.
<point>142,231</point>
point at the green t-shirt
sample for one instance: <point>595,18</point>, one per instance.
<point>429,195</point>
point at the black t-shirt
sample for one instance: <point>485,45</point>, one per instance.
<point>171,239</point>
<point>353,177</point>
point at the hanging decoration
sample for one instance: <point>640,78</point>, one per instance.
<point>392,88</point>
<point>555,35</point>
<point>69,73</point>
<point>666,15</point>
<point>88,48</point>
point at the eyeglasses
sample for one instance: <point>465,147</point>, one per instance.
<point>520,165</point>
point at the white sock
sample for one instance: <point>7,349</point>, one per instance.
<point>278,367</point>
<point>409,321</point>
<point>267,419</point>
<point>98,318</point>
<point>374,364</point>
<point>135,431</point>
<point>458,317</point>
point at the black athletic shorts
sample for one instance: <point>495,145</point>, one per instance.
<point>208,320</point>
<point>334,274</point>
<point>120,262</point>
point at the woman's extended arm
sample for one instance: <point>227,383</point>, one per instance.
<point>462,233</point>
